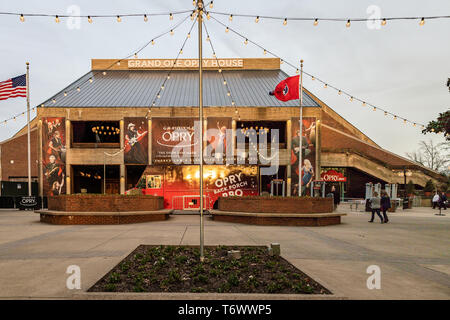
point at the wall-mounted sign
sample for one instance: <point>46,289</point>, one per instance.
<point>333,176</point>
<point>136,140</point>
<point>184,63</point>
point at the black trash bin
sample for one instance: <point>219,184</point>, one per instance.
<point>406,203</point>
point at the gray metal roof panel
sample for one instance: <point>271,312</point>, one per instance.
<point>138,88</point>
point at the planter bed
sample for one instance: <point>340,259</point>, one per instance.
<point>178,269</point>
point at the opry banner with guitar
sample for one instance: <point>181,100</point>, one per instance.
<point>54,155</point>
<point>136,141</point>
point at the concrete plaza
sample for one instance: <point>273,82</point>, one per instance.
<point>412,251</point>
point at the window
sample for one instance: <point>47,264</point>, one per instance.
<point>94,134</point>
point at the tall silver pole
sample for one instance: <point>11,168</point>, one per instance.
<point>200,105</point>
<point>300,153</point>
<point>28,128</point>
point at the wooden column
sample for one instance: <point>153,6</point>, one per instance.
<point>149,141</point>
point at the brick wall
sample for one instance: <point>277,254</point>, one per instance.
<point>105,203</point>
<point>104,219</point>
<point>276,205</point>
<point>16,149</point>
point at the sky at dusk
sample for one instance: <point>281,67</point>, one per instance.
<point>401,67</point>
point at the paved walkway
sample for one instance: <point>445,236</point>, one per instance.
<point>412,251</point>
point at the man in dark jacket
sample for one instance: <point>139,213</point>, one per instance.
<point>385,205</point>
<point>442,201</point>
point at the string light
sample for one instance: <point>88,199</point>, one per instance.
<point>351,99</point>
<point>189,35</point>
<point>383,23</point>
<point>53,100</point>
<point>220,70</point>
<point>171,17</point>
<point>104,73</point>
<point>225,82</point>
<point>257,19</point>
<point>313,78</point>
<point>385,113</point>
<point>118,62</point>
<point>181,51</point>
<point>119,19</point>
<point>231,17</point>
<point>374,108</point>
<point>89,19</point>
<point>316,22</point>
<point>325,86</point>
<point>56,19</point>
<point>65,93</point>
<point>265,51</point>
<point>395,117</point>
<point>78,89</point>
<point>348,24</point>
<point>285,21</point>
<point>171,32</point>
<point>246,41</point>
<point>22,18</point>
<point>226,29</point>
<point>207,38</point>
<point>135,56</point>
<point>404,121</point>
<point>422,22</point>
<point>90,80</point>
<point>145,18</point>
<point>339,92</point>
<point>211,5</point>
<point>153,42</point>
<point>297,71</point>
<point>364,104</point>
<point>208,16</point>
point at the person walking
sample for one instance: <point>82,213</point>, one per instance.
<point>443,201</point>
<point>436,200</point>
<point>385,205</point>
<point>375,204</point>
<point>336,197</point>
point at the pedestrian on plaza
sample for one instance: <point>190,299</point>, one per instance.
<point>385,205</point>
<point>375,204</point>
<point>336,198</point>
<point>443,201</point>
<point>435,200</point>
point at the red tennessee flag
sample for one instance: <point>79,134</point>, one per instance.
<point>288,89</point>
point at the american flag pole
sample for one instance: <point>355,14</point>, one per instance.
<point>28,128</point>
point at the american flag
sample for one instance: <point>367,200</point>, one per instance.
<point>15,87</point>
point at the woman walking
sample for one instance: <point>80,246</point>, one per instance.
<point>385,205</point>
<point>375,203</point>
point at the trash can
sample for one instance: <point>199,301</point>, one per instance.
<point>405,203</point>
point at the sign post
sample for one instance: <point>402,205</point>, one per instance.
<point>200,107</point>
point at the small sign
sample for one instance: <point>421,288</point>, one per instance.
<point>28,203</point>
<point>333,176</point>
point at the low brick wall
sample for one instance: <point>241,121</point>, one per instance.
<point>105,203</point>
<point>280,221</point>
<point>100,219</point>
<point>276,204</point>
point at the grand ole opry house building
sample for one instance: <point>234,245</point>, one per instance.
<point>101,134</point>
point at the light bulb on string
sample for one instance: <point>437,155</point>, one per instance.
<point>57,19</point>
<point>363,104</point>
<point>228,93</point>
<point>194,3</point>
<point>220,70</point>
<point>89,19</point>
<point>281,61</point>
<point>351,99</point>
<point>53,100</point>
<point>265,51</point>
<point>316,22</point>
<point>374,108</point>
<point>395,117</point>
<point>422,22</point>
<point>339,92</point>
<point>189,35</point>
<point>90,80</point>
<point>119,19</point>
<point>118,63</point>
<point>158,96</point>
<point>383,22</point>
<point>22,18</point>
<point>385,113</point>
<point>211,5</point>
<point>65,93</point>
<point>78,89</point>
<point>181,51</point>
<point>231,17</point>
<point>404,121</point>
<point>226,29</point>
<point>162,87</point>
<point>297,71</point>
<point>348,23</point>
<point>171,17</point>
<point>168,77</point>
<point>285,22</point>
<point>257,19</point>
<point>145,18</point>
<point>246,41</point>
<point>104,73</point>
<point>312,78</point>
<point>207,38</point>
<point>325,86</point>
<point>225,82</point>
<point>214,55</point>
<point>208,16</point>
<point>171,32</point>
<point>153,42</point>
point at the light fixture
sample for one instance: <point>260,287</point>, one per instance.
<point>297,71</point>
<point>231,17</point>
<point>325,86</point>
<point>404,121</point>
<point>90,80</point>
<point>220,70</point>
<point>395,117</point>
<point>226,29</point>
<point>168,77</point>
<point>208,16</point>
<point>383,22</point>
<point>56,19</point>
<point>312,78</point>
<point>118,63</point>
<point>189,35</point>
<point>257,19</point>
<point>104,73</point>
<point>89,19</point>
<point>145,18</point>
<point>162,87</point>
<point>171,32</point>
<point>22,18</point>
<point>285,22</point>
<point>316,22</point>
<point>385,113</point>
<point>135,55</point>
<point>351,98</point>
<point>246,41</point>
<point>228,93</point>
<point>78,89</point>
<point>65,94</point>
<point>207,39</point>
<point>153,42</point>
<point>348,23</point>
<point>224,82</point>
<point>374,108</point>
<point>265,51</point>
<point>422,22</point>
<point>339,92</point>
<point>171,16</point>
<point>232,103</point>
<point>211,5</point>
<point>119,19</point>
<point>53,100</point>
<point>281,61</point>
<point>181,51</point>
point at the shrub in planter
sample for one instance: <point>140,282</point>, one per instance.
<point>429,188</point>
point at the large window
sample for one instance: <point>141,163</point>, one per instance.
<point>94,134</point>
<point>246,128</point>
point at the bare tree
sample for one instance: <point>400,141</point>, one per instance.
<point>431,155</point>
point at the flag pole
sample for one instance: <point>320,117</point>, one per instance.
<point>300,153</point>
<point>200,105</point>
<point>28,127</point>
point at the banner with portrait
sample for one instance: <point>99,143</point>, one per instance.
<point>135,140</point>
<point>173,138</point>
<point>217,139</point>
<point>54,155</point>
<point>308,153</point>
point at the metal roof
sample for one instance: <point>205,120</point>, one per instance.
<point>137,88</point>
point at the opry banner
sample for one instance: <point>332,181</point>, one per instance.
<point>172,136</point>
<point>136,140</point>
<point>333,176</point>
